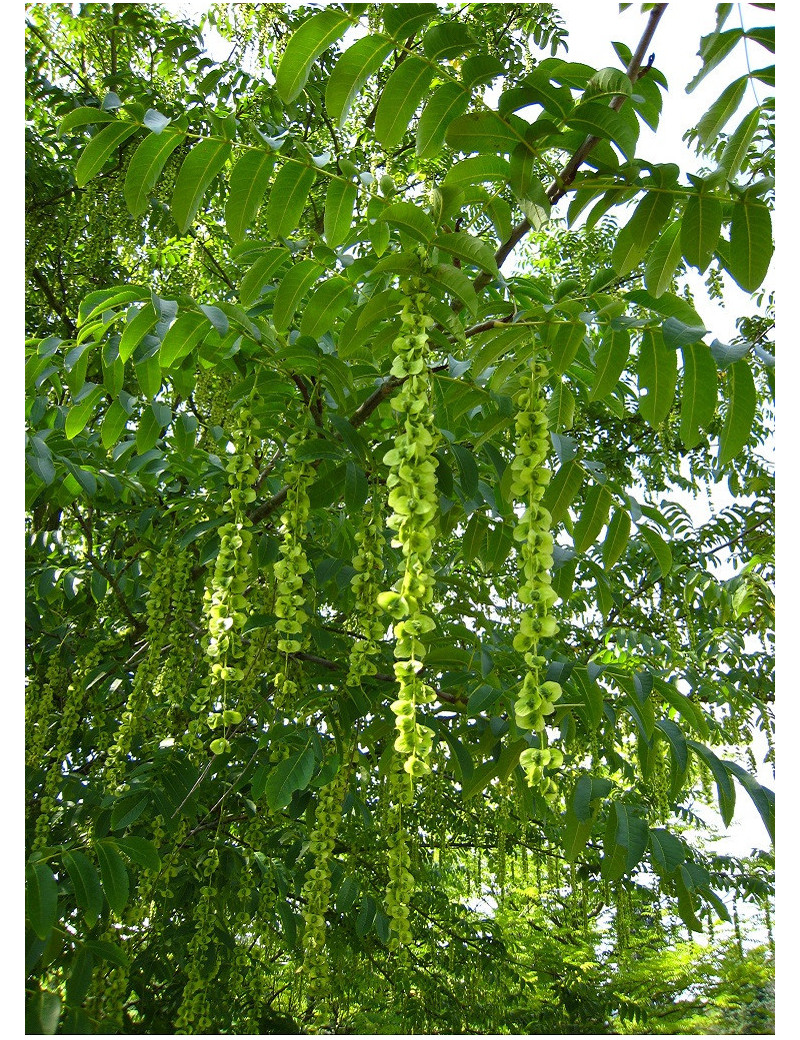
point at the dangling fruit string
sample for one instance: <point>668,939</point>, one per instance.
<point>414,499</point>
<point>530,478</point>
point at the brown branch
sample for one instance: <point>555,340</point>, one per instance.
<point>56,304</point>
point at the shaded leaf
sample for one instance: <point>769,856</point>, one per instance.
<point>145,167</point>
<point>305,46</point>
<point>352,71</point>
<point>248,183</point>
<point>698,393</point>
<point>198,170</point>
<point>99,149</point>
<point>400,98</point>
<point>658,377</point>
<point>739,413</point>
<point>41,898</point>
<point>288,196</point>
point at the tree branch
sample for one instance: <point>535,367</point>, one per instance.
<point>558,188</point>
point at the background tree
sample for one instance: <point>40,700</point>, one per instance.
<point>375,660</point>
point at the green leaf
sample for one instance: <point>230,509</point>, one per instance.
<point>739,413</point>
<point>446,41</point>
<point>658,547</point>
<point>668,305</point>
<point>141,851</point>
<point>356,488</point>
<point>198,170</point>
<point>763,798</point>
<point>305,46</point>
<point>617,536</point>
<point>339,204</point>
<point>585,687</point>
<point>484,132</point>
<point>610,360</point>
<point>726,792</point>
<point>148,430</point>
<point>108,951</point>
<point>576,835</point>
<point>98,150</point>
<point>663,260</point>
<point>698,393</point>
<point>691,713</point>
<point>562,489</point>
<point>451,280</point>
<point>403,20</point>
<point>136,329</point>
<point>287,200</point>
<point>537,88</point>
<point>679,749</point>
<point>713,121</point>
<point>145,168</point>
<point>249,181</point>
<point>700,226</point>
<point>478,169</point>
<point>735,152</point>
<point>324,306</point>
<point>84,116</point>
<point>676,334</point>
<point>259,274</point>
<point>446,103</point>
<point>41,898</point>
<point>468,249</point>
<point>129,808</point>
<point>148,375</point>
<point>400,98</point>
<point>658,377</point>
<point>714,48</point>
<point>560,408</point>
<point>625,842</point>
<point>564,339</point>
<point>293,774</point>
<point>588,791</point>
<point>478,779</point>
<point>598,120</point>
<point>294,285</point>
<point>667,851</point>
<point>114,875</point>
<point>86,885</point>
<point>352,71</point>
<point>593,515</point>
<point>181,338</point>
<point>751,244</point>
<point>78,414</point>
<point>113,424</point>
<point>409,218</point>
<point>640,232</point>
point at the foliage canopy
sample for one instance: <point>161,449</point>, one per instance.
<point>375,659</point>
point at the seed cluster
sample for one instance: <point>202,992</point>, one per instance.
<point>224,603</point>
<point>193,1015</point>
<point>293,564</point>
<point>159,598</point>
<point>401,881</point>
<point>317,886</point>
<point>414,499</point>
<point>39,702</point>
<point>535,761</point>
<point>72,711</point>
<point>368,565</point>
<point>529,480</point>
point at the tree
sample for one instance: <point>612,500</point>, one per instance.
<point>361,578</point>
